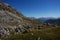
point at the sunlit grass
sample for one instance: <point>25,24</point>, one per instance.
<point>44,34</point>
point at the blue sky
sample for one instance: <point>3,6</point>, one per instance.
<point>36,8</point>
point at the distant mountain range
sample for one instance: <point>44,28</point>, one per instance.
<point>42,19</point>
<point>51,20</point>
<point>54,21</point>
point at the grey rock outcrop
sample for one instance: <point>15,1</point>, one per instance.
<point>11,20</point>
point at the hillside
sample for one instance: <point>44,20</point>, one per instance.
<point>15,26</point>
<point>13,21</point>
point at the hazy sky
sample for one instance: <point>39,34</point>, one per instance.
<point>36,8</point>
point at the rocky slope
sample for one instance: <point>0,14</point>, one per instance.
<point>13,22</point>
<point>9,21</point>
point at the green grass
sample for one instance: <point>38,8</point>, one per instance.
<point>44,34</point>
